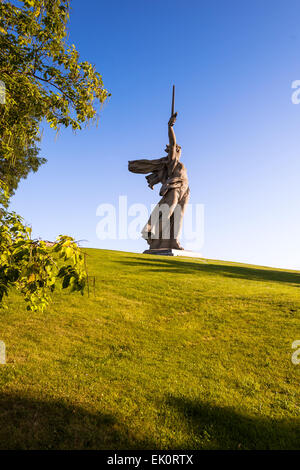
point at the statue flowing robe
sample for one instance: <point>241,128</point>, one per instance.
<point>157,168</point>
<point>164,225</point>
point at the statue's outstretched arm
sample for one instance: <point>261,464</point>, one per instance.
<point>172,137</point>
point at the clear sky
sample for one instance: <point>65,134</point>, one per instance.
<point>233,63</point>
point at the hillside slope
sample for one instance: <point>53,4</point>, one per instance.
<point>166,353</point>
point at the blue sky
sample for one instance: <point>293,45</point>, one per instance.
<point>233,63</point>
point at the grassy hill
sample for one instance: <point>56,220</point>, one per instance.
<point>166,353</point>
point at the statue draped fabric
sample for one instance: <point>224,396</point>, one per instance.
<point>164,225</point>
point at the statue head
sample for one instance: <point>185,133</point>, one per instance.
<point>178,151</point>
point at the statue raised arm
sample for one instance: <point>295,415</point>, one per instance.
<point>163,233</point>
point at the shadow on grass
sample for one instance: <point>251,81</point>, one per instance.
<point>224,428</point>
<point>152,263</point>
<point>27,423</point>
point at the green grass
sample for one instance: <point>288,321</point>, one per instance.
<point>167,354</point>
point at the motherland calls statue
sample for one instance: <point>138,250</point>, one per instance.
<point>164,225</point>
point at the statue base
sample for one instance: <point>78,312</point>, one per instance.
<point>173,252</point>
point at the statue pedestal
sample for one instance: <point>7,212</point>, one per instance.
<point>173,252</point>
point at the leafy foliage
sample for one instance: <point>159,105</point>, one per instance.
<point>33,267</point>
<point>44,79</point>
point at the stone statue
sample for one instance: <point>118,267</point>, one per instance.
<point>164,225</point>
